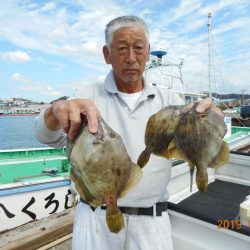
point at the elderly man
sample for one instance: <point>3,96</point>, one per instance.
<point>125,101</point>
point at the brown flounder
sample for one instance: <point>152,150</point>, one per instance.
<point>191,136</point>
<point>102,170</point>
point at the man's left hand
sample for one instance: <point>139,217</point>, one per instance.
<point>204,105</point>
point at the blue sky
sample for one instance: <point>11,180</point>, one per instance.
<point>49,48</point>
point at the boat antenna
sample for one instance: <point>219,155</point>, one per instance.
<point>209,52</point>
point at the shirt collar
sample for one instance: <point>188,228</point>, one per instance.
<point>110,85</point>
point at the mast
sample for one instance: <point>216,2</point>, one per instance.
<point>209,52</point>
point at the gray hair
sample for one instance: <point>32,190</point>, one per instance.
<point>124,22</point>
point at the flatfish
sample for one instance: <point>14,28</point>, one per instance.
<point>102,170</point>
<point>191,136</point>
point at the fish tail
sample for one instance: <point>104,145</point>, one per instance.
<point>143,158</point>
<point>114,219</point>
<point>202,179</point>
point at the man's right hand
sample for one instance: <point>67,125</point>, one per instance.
<point>66,114</point>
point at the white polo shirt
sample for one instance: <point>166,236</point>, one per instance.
<point>130,124</point>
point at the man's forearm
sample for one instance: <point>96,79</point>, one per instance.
<point>50,120</point>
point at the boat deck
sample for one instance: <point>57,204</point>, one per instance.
<point>31,160</point>
<point>32,165</point>
<point>218,205</point>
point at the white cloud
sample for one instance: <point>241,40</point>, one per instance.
<point>49,6</point>
<point>48,90</point>
<point>16,56</point>
<point>59,32</point>
<point>17,77</point>
<point>74,30</point>
<point>37,89</point>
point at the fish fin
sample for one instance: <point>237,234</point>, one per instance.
<point>69,147</point>
<point>78,183</point>
<point>81,188</point>
<point>170,152</point>
<point>144,157</point>
<point>192,168</point>
<point>114,219</point>
<point>135,177</point>
<point>174,152</point>
<point>222,157</point>
<point>95,203</point>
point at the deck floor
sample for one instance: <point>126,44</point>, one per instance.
<point>220,202</point>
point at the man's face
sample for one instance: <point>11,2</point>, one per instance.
<point>128,54</point>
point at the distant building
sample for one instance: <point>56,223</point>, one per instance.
<point>18,101</point>
<point>21,106</point>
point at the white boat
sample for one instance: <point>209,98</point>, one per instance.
<point>34,183</point>
<point>166,74</point>
<point>211,220</point>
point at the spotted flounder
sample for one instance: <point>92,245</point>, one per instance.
<point>187,135</point>
<point>102,170</point>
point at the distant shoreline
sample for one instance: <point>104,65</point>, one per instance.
<point>35,114</point>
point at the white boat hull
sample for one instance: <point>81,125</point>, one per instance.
<point>21,203</point>
<point>189,233</point>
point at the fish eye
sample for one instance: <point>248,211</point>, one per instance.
<point>112,135</point>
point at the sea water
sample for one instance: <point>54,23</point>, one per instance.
<point>16,132</point>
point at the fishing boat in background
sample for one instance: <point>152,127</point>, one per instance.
<point>167,74</point>
<point>34,183</point>
<point>226,103</point>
